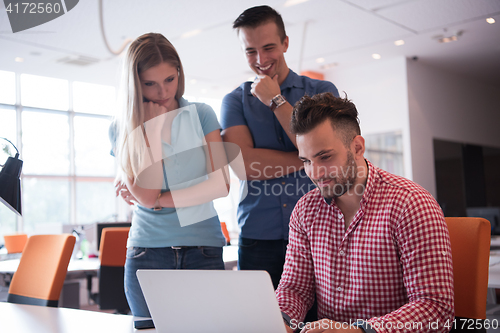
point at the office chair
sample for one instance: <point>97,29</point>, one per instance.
<point>15,243</point>
<point>225,232</point>
<point>42,270</point>
<point>112,254</point>
<point>470,247</point>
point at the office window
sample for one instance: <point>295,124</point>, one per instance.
<point>7,87</point>
<point>45,143</point>
<point>8,131</point>
<point>95,202</point>
<point>44,92</point>
<point>93,98</point>
<point>92,147</point>
<point>7,221</point>
<point>46,205</point>
<point>68,173</point>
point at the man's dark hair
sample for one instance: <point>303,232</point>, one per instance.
<point>255,16</point>
<point>309,112</point>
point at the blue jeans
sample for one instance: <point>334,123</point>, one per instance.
<point>192,257</point>
<point>267,255</point>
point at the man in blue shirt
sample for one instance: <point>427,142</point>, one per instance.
<point>256,116</point>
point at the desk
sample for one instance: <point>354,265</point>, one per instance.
<point>77,269</point>
<point>87,268</point>
<point>82,268</point>
<point>20,318</point>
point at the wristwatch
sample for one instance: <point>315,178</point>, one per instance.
<point>277,101</point>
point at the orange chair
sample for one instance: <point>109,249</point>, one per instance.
<point>112,254</point>
<point>223,227</point>
<point>15,243</point>
<point>42,270</point>
<point>470,247</point>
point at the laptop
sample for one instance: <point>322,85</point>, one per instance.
<point>211,301</point>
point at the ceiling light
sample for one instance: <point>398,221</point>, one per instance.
<point>193,81</point>
<point>191,33</point>
<point>204,91</point>
<point>290,3</point>
<point>320,60</point>
<point>399,42</point>
<point>78,60</point>
<point>376,56</point>
<point>18,59</point>
<point>490,20</point>
<point>449,37</point>
<point>330,65</point>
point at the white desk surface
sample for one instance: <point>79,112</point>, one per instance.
<point>75,266</point>
<point>229,254</point>
<point>20,318</point>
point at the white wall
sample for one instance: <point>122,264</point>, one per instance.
<point>379,91</point>
<point>450,107</point>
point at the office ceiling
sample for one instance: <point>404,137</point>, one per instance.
<point>343,32</point>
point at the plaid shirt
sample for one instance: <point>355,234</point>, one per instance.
<point>392,267</point>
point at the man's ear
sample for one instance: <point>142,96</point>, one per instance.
<point>358,146</point>
<point>285,44</point>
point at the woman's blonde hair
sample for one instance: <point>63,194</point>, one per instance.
<point>145,52</point>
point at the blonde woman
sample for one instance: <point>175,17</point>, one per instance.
<point>172,165</point>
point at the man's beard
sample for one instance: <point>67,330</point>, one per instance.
<point>343,182</point>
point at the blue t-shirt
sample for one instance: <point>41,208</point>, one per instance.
<point>265,211</point>
<point>184,166</point>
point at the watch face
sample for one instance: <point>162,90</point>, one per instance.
<point>278,100</point>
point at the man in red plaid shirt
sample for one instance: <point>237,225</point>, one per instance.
<point>371,246</point>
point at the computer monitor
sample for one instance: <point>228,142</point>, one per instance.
<point>492,214</point>
<point>102,225</point>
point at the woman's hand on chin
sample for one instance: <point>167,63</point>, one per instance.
<point>153,110</point>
